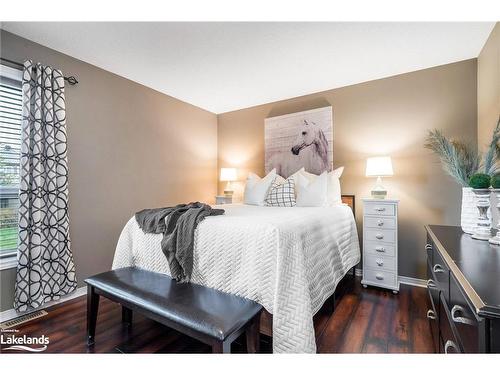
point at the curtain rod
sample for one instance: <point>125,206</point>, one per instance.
<point>71,79</point>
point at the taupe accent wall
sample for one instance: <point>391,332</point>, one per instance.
<point>488,87</point>
<point>129,147</point>
<point>384,117</point>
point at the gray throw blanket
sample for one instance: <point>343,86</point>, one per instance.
<point>177,224</point>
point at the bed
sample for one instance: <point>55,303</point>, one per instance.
<point>289,260</point>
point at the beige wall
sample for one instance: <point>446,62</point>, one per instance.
<point>387,116</point>
<point>488,87</point>
<point>129,147</point>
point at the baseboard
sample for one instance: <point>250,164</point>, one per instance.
<point>412,281</point>
<point>11,314</point>
<point>402,279</point>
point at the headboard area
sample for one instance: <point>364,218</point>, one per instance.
<point>350,201</point>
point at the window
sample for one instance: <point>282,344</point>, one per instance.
<point>10,147</point>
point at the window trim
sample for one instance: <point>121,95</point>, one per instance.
<point>9,259</point>
<point>12,73</point>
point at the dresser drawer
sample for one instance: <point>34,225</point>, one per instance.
<point>385,278</point>
<point>380,262</point>
<point>377,248</point>
<point>380,235</point>
<point>441,274</point>
<point>380,209</point>
<point>449,341</point>
<point>380,222</point>
<point>466,324</point>
<point>433,316</point>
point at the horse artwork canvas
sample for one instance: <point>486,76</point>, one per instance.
<point>302,139</point>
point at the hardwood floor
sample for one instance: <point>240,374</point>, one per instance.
<point>364,321</point>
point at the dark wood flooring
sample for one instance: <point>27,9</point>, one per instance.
<point>364,321</point>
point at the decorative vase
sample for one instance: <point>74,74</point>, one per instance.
<point>469,211</point>
<point>482,230</point>
<point>496,240</point>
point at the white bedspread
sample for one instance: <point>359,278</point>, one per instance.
<point>287,259</point>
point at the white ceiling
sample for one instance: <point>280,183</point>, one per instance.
<point>226,66</point>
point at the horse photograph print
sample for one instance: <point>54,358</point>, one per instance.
<point>302,139</point>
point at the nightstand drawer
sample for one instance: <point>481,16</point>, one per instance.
<point>377,248</point>
<point>380,209</point>
<point>379,262</point>
<point>380,235</point>
<point>379,277</point>
<point>380,222</point>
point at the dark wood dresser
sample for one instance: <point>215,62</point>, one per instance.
<point>464,291</point>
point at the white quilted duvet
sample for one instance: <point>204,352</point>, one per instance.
<point>288,259</point>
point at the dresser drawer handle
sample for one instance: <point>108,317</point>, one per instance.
<point>379,236</point>
<point>379,277</point>
<point>450,344</point>
<point>438,268</point>
<point>380,262</point>
<point>431,283</point>
<point>380,249</point>
<point>431,315</point>
<point>460,319</point>
<point>380,223</point>
<point>380,209</point>
<point>428,247</point>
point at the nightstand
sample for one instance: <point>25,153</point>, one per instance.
<point>380,243</point>
<point>223,199</point>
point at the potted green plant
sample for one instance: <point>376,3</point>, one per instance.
<point>480,184</point>
<point>461,161</point>
<point>495,185</point>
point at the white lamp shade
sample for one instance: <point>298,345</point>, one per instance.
<point>379,166</point>
<point>228,174</point>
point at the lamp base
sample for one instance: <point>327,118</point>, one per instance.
<point>378,191</point>
<point>379,194</point>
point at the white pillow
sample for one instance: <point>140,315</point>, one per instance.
<point>311,193</point>
<point>256,188</point>
<point>334,193</point>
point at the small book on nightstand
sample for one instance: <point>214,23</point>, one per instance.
<point>380,243</point>
<point>223,199</point>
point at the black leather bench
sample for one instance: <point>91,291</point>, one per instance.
<point>213,317</point>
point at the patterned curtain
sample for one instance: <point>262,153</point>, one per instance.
<point>45,270</point>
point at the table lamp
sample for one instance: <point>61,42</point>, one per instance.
<point>229,175</point>
<point>380,166</point>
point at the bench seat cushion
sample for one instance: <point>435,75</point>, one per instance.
<point>202,309</point>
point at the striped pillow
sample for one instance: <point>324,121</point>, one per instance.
<point>281,193</point>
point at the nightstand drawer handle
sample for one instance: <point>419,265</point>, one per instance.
<point>438,268</point>
<point>380,223</point>
<point>460,319</point>
<point>379,236</point>
<point>380,249</point>
<point>379,277</point>
<point>431,315</point>
<point>431,283</point>
<point>380,262</point>
<point>380,209</point>
<point>428,247</point>
<point>450,344</point>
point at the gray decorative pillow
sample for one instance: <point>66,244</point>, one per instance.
<point>281,193</point>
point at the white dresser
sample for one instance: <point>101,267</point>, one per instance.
<point>380,243</point>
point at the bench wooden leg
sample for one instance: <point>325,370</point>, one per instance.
<point>221,347</point>
<point>126,316</point>
<point>253,335</point>
<point>92,309</point>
